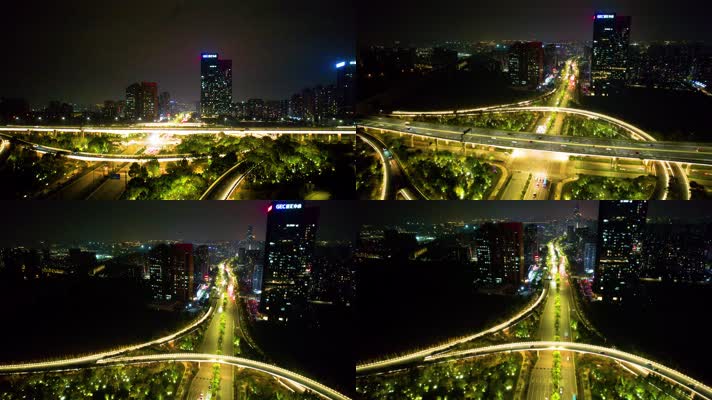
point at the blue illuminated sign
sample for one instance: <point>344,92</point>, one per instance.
<point>605,16</point>
<point>341,64</point>
<point>288,206</point>
<point>210,56</point>
<point>352,62</point>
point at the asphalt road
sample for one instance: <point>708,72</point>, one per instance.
<point>201,382</point>
<point>226,184</point>
<point>396,178</point>
<point>663,151</point>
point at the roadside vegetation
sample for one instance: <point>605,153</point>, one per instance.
<point>590,187</point>
<point>491,377</point>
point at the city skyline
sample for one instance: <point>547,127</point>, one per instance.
<point>71,222</point>
<point>164,43</point>
<point>558,21</point>
<point>205,221</point>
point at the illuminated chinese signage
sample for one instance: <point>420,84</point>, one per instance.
<point>341,64</point>
<point>605,16</point>
<point>287,206</point>
<point>210,56</point>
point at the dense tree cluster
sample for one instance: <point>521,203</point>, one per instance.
<point>492,377</point>
<point>607,380</point>
<point>514,121</point>
<point>579,126</point>
<point>589,187</point>
<point>25,172</point>
<point>444,175</point>
<point>134,382</point>
<point>101,144</point>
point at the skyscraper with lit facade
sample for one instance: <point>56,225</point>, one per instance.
<point>499,253</point>
<point>346,86</point>
<point>215,85</point>
<point>526,64</point>
<point>288,260</point>
<point>621,226</point>
<point>171,271</point>
<point>142,101</point>
<point>609,55</point>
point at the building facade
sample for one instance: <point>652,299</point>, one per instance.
<point>619,249</point>
<point>215,85</point>
<point>288,260</point>
<point>609,56</point>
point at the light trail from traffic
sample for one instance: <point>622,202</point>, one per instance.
<point>177,131</point>
<point>384,182</point>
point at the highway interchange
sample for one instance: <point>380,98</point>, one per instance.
<point>207,354</point>
<point>546,152</point>
<point>548,341</point>
<point>93,182</point>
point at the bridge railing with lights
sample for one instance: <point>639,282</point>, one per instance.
<point>421,354</point>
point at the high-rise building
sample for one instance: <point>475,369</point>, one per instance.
<point>171,271</point>
<point>621,225</point>
<point>531,244</point>
<point>202,263</point>
<point>609,58</point>
<point>499,253</point>
<point>526,64</point>
<point>255,109</point>
<point>589,256</point>
<point>346,87</point>
<point>215,85</point>
<point>288,259</point>
<point>142,101</point>
<point>133,99</point>
<point>164,105</point>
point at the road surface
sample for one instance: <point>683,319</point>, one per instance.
<point>692,153</point>
<point>395,178</point>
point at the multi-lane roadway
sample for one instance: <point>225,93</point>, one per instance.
<point>173,130</point>
<point>690,153</point>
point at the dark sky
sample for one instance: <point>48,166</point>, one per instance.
<point>551,20</point>
<point>191,221</point>
<point>87,51</point>
<point>28,222</point>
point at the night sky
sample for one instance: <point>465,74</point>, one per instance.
<point>190,221</point>
<point>88,51</point>
<point>553,20</point>
<point>29,222</point>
